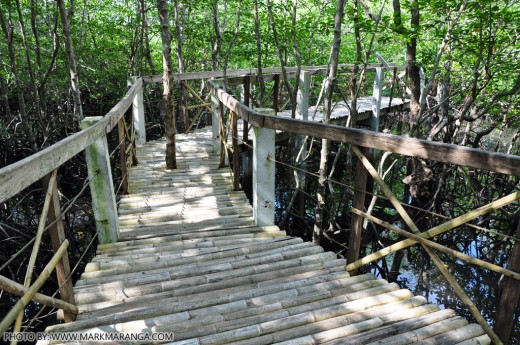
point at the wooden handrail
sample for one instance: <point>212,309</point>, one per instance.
<point>20,175</point>
<point>431,150</point>
<point>265,71</point>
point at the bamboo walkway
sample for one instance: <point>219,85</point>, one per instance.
<point>191,262</point>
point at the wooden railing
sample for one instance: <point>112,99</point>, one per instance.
<point>43,166</point>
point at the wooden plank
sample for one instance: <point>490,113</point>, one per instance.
<point>20,175</point>
<point>431,150</point>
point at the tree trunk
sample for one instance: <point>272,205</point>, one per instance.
<point>30,68</point>
<point>353,84</point>
<point>287,84</point>
<point>328,91</point>
<point>183,112</point>
<point>414,71</point>
<point>509,296</point>
<point>29,134</point>
<point>147,53</point>
<point>171,160</point>
<point>259,54</point>
<point>74,79</point>
<point>215,52</point>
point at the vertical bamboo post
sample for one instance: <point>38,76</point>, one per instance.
<point>247,101</point>
<point>36,246</point>
<point>138,114</point>
<point>263,175</point>
<point>422,99</point>
<point>223,135</point>
<point>183,106</point>
<point>57,235</point>
<point>356,222</point>
<point>300,149</point>
<point>377,95</point>
<point>215,129</point>
<point>234,140</point>
<point>135,161</point>
<point>101,186</point>
<point>276,91</point>
<point>122,154</point>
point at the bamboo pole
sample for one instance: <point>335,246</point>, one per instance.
<point>37,240</point>
<point>122,153</point>
<point>435,258</point>
<point>196,95</point>
<point>18,289</point>
<point>440,229</point>
<point>234,140</point>
<point>191,107</point>
<point>26,298</point>
<point>356,222</point>
<point>247,101</point>
<point>223,136</point>
<point>439,247</point>
<point>57,236</point>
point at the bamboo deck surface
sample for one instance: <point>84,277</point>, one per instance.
<point>191,262</point>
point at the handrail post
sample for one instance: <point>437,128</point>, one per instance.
<point>276,91</point>
<point>358,202</point>
<point>215,121</point>
<point>300,148</point>
<point>122,154</point>
<point>57,235</point>
<point>377,95</point>
<point>183,106</point>
<point>138,114</point>
<point>263,175</point>
<point>247,101</point>
<point>234,140</point>
<point>101,186</point>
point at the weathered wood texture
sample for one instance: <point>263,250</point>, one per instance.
<point>18,176</point>
<point>191,262</point>
<point>441,152</point>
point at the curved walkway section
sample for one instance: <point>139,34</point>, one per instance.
<point>192,266</point>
